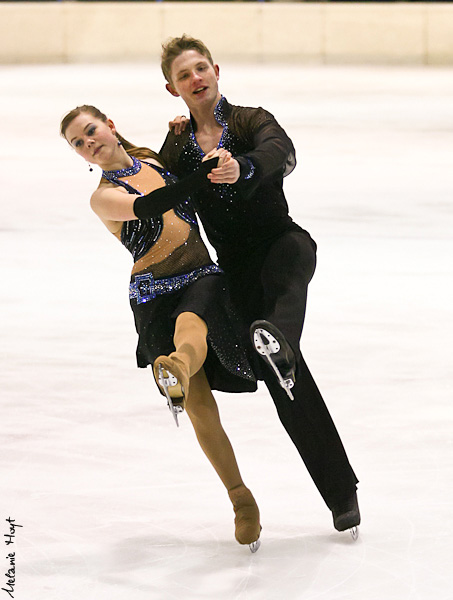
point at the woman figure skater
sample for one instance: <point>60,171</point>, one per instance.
<point>186,328</point>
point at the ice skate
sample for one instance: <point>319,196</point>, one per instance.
<point>347,516</point>
<point>247,519</point>
<point>174,382</point>
<point>271,344</point>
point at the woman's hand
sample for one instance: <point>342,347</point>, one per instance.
<point>178,124</point>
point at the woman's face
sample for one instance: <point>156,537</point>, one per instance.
<point>93,139</point>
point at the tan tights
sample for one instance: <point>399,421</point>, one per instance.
<point>186,364</point>
<point>202,410</point>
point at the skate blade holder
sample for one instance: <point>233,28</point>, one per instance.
<point>266,345</point>
<point>167,381</point>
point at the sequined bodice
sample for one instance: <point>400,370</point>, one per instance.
<point>227,205</point>
<point>253,210</point>
<point>163,242</point>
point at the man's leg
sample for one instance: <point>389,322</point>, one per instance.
<point>310,427</point>
<point>285,273</point>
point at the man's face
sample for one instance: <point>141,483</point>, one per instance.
<point>194,79</point>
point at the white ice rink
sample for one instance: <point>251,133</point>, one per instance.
<point>114,501</point>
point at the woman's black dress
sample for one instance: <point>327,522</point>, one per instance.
<point>186,280</point>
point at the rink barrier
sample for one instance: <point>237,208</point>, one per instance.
<point>318,33</point>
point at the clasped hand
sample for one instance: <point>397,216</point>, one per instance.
<point>227,170</point>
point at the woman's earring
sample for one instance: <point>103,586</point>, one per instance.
<point>119,143</point>
<point>91,168</point>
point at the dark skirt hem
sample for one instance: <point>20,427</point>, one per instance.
<point>227,365</point>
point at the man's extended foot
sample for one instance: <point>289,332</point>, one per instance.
<point>271,345</point>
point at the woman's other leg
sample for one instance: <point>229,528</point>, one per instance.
<point>204,415</point>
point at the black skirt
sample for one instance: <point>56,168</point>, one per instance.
<point>227,365</point>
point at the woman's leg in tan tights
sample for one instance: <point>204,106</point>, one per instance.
<point>191,350</point>
<point>202,410</point>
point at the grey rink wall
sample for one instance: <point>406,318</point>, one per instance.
<point>315,32</point>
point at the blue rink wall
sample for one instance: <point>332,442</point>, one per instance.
<point>314,32</point>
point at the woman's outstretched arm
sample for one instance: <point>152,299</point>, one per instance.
<point>116,205</point>
<point>161,200</point>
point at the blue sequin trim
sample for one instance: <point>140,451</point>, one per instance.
<point>144,287</point>
<point>219,113</point>
<point>193,139</point>
<point>127,172</point>
<point>252,169</point>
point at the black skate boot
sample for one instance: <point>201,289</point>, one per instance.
<point>347,516</point>
<point>271,344</point>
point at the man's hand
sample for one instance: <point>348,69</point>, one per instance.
<point>178,124</point>
<point>227,172</point>
<point>221,153</point>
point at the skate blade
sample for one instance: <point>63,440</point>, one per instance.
<point>254,546</point>
<point>168,380</point>
<point>354,531</point>
<point>266,345</point>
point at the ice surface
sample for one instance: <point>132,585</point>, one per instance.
<point>114,500</point>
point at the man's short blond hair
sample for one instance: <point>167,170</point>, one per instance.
<point>176,46</point>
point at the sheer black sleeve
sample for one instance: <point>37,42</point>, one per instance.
<point>172,148</point>
<point>159,201</point>
<point>272,154</point>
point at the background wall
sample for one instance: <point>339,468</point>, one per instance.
<point>374,32</point>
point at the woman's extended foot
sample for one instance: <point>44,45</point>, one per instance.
<point>172,376</point>
<point>247,520</point>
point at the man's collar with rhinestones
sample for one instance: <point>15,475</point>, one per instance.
<point>221,112</point>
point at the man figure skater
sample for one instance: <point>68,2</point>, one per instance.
<point>268,259</point>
